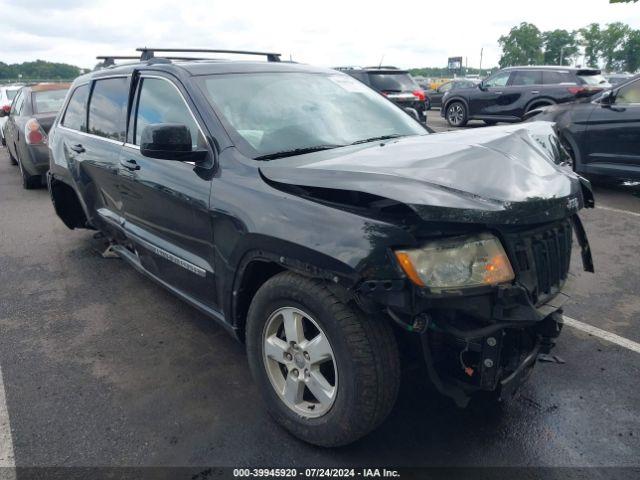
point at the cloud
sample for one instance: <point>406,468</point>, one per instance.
<point>329,33</point>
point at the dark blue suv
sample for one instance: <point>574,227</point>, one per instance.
<point>510,93</point>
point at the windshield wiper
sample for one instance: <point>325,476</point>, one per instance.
<point>381,137</point>
<point>296,151</point>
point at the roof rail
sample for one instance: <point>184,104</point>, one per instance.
<point>109,60</point>
<point>149,53</point>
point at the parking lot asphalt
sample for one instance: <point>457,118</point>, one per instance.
<point>103,367</point>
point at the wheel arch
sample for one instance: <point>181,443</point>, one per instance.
<point>66,203</point>
<point>539,102</point>
<point>258,266</point>
<point>457,98</point>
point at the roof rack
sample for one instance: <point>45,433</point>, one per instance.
<point>149,53</point>
<point>109,60</point>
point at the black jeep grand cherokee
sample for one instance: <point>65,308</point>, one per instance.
<point>323,226</point>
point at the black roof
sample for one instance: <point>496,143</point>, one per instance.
<point>554,67</point>
<point>195,67</point>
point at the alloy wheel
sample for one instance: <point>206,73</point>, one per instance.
<point>455,114</point>
<point>300,362</point>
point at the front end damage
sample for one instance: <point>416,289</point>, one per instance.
<point>489,338</point>
<point>506,183</point>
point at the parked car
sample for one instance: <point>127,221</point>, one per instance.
<point>508,94</point>
<point>603,134</point>
<point>7,94</point>
<point>29,120</point>
<point>322,226</point>
<point>434,97</point>
<point>395,84</point>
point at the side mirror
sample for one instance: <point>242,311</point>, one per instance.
<point>607,99</point>
<point>4,111</point>
<point>413,112</point>
<point>169,141</point>
<point>482,86</point>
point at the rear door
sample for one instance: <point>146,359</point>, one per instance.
<point>613,135</point>
<point>11,128</point>
<point>96,152</point>
<point>525,85</point>
<point>492,100</point>
<point>166,206</point>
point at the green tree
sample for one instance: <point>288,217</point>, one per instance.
<point>623,1</point>
<point>560,46</point>
<point>522,46</point>
<point>613,39</point>
<point>591,40</point>
<point>38,70</point>
<point>631,51</point>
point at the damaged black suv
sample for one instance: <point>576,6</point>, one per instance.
<point>323,227</point>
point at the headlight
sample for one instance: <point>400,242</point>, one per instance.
<point>459,262</point>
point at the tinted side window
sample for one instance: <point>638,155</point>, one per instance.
<point>445,87</point>
<point>16,106</point>
<point>75,117</point>
<point>160,102</point>
<point>629,93</point>
<point>555,78</point>
<point>498,80</point>
<point>108,108</point>
<point>527,77</point>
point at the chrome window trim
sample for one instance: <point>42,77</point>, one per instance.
<point>137,103</point>
<point>90,135</point>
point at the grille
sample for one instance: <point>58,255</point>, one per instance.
<point>543,257</point>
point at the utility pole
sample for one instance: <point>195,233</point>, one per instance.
<point>561,54</point>
<point>481,50</point>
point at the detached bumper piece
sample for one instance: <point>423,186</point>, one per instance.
<point>463,359</point>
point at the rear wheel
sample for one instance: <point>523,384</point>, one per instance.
<point>457,114</point>
<point>427,104</point>
<point>328,373</point>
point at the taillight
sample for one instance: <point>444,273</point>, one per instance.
<point>419,94</point>
<point>584,90</point>
<point>6,109</point>
<point>34,133</point>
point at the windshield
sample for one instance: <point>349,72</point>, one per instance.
<point>392,82</point>
<point>595,80</point>
<point>285,112</point>
<point>48,100</point>
<point>11,94</point>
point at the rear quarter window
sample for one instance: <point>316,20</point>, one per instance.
<point>108,108</point>
<point>556,78</point>
<point>75,117</point>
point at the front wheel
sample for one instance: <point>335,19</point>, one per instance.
<point>328,373</point>
<point>457,114</point>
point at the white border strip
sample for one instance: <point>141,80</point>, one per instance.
<point>618,210</point>
<point>7,459</point>
<point>603,334</point>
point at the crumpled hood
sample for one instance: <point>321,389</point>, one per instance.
<point>502,175</point>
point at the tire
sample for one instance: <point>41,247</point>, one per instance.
<point>363,355</point>
<point>456,114</point>
<point>427,104</point>
<point>489,123</point>
<point>12,159</point>
<point>29,182</point>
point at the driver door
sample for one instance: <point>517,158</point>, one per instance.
<point>487,101</point>
<point>613,133</point>
<point>166,202</point>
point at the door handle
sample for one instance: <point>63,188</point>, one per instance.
<point>535,92</point>
<point>130,164</point>
<point>78,148</point>
<point>498,93</point>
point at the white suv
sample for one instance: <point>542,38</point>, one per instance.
<point>7,94</point>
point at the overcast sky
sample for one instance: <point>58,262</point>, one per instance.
<point>323,32</point>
